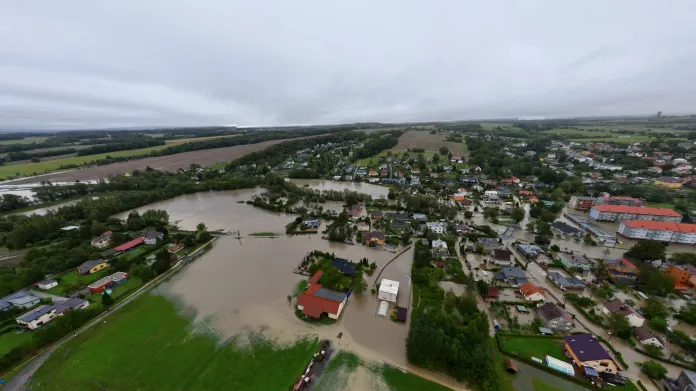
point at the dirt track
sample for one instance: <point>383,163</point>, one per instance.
<point>206,157</point>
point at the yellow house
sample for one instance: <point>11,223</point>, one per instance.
<point>669,182</point>
<point>91,267</point>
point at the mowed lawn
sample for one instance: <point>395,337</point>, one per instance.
<point>533,347</point>
<point>53,165</point>
<point>147,345</point>
<point>73,281</point>
<point>11,340</point>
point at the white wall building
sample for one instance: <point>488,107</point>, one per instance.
<point>388,290</point>
<point>436,227</point>
<point>47,284</point>
<point>658,230</point>
<point>37,317</point>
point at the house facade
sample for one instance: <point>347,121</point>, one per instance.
<point>619,213</point>
<point>582,203</point>
<point>532,292</point>
<point>102,241</point>
<point>586,351</point>
<point>658,230</point>
<point>151,238</point>
<point>101,285</point>
<point>647,337</point>
<point>618,307</point>
<point>37,317</point>
<point>91,267</point>
<point>574,261</point>
<point>47,284</point>
<point>553,317</point>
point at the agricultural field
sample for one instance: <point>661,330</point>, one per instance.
<point>166,163</point>
<point>26,140</point>
<point>11,340</point>
<point>194,139</point>
<point>148,345</point>
<point>53,165</point>
<point>347,371</point>
<point>423,139</point>
<point>533,347</point>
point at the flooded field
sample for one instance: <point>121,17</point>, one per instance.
<point>243,285</point>
<point>375,191</point>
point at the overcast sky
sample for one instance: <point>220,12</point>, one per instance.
<point>86,64</point>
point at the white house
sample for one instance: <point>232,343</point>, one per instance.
<point>439,244</point>
<point>152,237</point>
<point>37,317</point>
<point>491,193</point>
<point>388,289</point>
<point>47,284</point>
<point>532,292</point>
<point>647,337</point>
<point>618,307</point>
<point>436,227</point>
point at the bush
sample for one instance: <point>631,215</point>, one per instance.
<point>653,370</point>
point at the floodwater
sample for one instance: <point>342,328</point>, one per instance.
<point>242,284</point>
<point>375,191</point>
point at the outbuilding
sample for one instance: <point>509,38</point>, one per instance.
<point>47,284</point>
<point>388,290</point>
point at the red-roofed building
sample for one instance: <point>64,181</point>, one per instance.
<point>659,230</point>
<point>317,300</point>
<point>620,213</point>
<point>614,200</point>
<point>129,245</point>
<point>492,292</point>
<point>512,179</point>
<point>532,292</point>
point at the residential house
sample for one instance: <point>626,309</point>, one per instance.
<point>647,337</point>
<point>91,267</point>
<point>75,303</point>
<point>565,283</point>
<point>513,275</point>
<point>419,217</point>
<point>363,226</point>
<point>21,300</point>
<point>37,317</point>
<point>621,269</point>
<point>618,307</point>
<point>311,223</point>
<point>108,282</point>
<point>374,238</point>
<point>566,229</point>
<point>529,250</point>
<point>47,284</point>
<point>152,237</point>
<point>436,227</point>
<point>439,248</point>
<point>685,382</point>
<point>668,182</point>
<point>354,210</point>
<point>492,292</point>
<point>586,351</point>
<point>317,300</point>
<point>532,292</point>
<point>345,266</point>
<point>461,229</point>
<point>388,290</point>
<point>503,257</point>
<point>574,261</point>
<point>372,173</point>
<point>682,274</point>
<point>400,225</point>
<point>554,317</point>
<point>376,214</point>
<point>175,248</point>
<point>102,241</point>
<point>489,244</point>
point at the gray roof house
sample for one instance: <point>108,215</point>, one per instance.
<point>553,317</point>
<point>685,382</point>
<point>574,261</point>
<point>489,244</point>
<point>152,237</point>
<point>73,304</point>
<point>36,313</point>
<point>513,275</point>
<point>565,282</point>
<point>22,300</point>
<point>4,306</point>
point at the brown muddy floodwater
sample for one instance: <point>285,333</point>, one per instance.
<point>242,285</point>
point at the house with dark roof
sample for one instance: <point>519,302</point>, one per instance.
<point>685,382</point>
<point>571,261</point>
<point>620,308</point>
<point>502,257</point>
<point>373,238</point>
<point>75,303</point>
<point>345,266</point>
<point>37,317</point>
<point>152,237</point>
<point>91,267</point>
<point>21,300</point>
<point>647,337</point>
<point>489,244</point>
<point>513,275</point>
<point>554,317</point>
<point>566,229</point>
<point>565,282</point>
<point>317,300</point>
<point>586,351</point>
<point>492,292</point>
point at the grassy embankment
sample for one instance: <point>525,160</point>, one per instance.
<point>343,364</point>
<point>54,165</point>
<point>148,345</point>
<point>533,347</point>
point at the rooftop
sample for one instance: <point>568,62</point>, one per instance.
<point>660,226</point>
<point>389,286</point>
<point>640,210</point>
<point>551,311</point>
<point>36,313</point>
<point>586,347</point>
<point>618,307</point>
<point>529,289</point>
<point>129,245</point>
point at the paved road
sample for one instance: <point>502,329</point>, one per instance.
<point>17,383</point>
<point>42,295</point>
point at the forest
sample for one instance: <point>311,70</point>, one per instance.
<point>448,333</point>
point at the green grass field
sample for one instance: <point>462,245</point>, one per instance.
<point>53,165</point>
<point>343,364</point>
<point>633,139</point>
<point>541,386</point>
<point>147,345</point>
<point>11,340</point>
<point>27,140</point>
<point>533,347</point>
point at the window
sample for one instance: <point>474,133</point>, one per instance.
<point>603,364</point>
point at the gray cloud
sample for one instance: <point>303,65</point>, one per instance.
<point>85,64</point>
